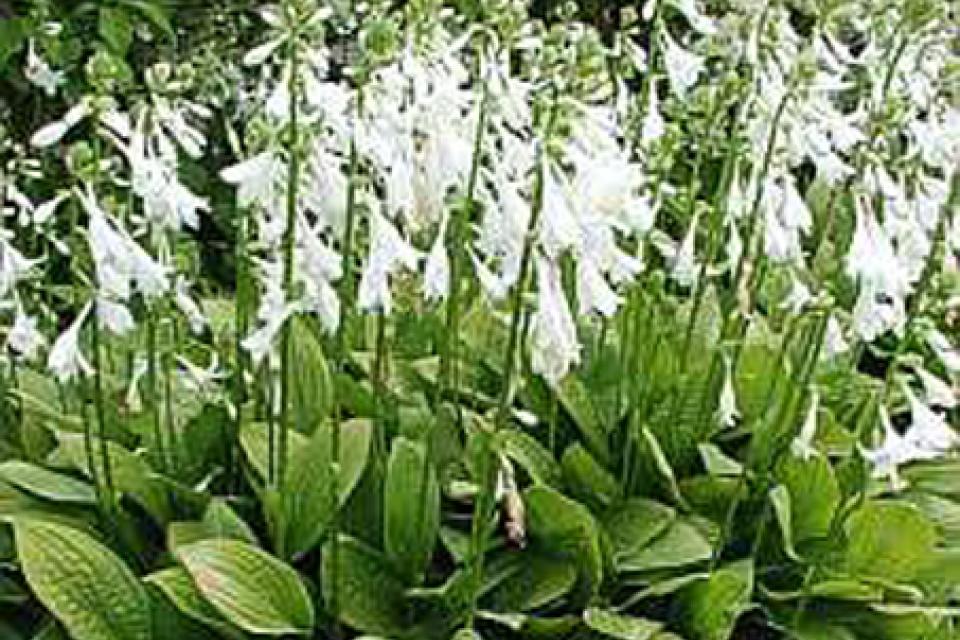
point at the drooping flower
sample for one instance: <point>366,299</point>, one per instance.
<point>685,268</point>
<point>66,360</point>
<point>893,452</point>
<point>928,430</point>
<point>38,72</point>
<point>936,391</point>
<point>389,252</point>
<point>554,345</point>
<point>436,274</point>
<point>727,411</point>
<point>24,338</point>
<point>683,66</point>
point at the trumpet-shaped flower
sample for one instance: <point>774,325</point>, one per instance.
<point>554,345</point>
<point>65,360</point>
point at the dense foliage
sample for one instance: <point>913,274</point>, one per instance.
<point>480,319</point>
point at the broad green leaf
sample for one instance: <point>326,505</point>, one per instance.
<point>13,33</point>
<point>711,607</point>
<point>178,587</point>
<point>131,473</point>
<point>411,509</point>
<point>219,521</point>
<point>588,481</point>
<point>560,525</point>
<point>369,596</point>
<point>680,545</point>
<point>889,540</point>
<point>116,29</point>
<point>632,524</point>
<point>531,455</point>
<point>81,582</point>
<point>252,589</point>
<point>46,484</point>
<point>575,399</point>
<point>814,495</point>
<point>308,500</point>
<point>532,581</point>
<point>615,625</point>
<point>311,384</point>
<point>255,440</point>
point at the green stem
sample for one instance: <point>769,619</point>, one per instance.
<point>100,409</point>
<point>289,247</point>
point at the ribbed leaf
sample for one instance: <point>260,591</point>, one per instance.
<point>249,587</point>
<point>88,588</point>
<point>46,484</point>
<point>411,509</point>
<point>178,587</point>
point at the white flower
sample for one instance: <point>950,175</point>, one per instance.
<point>895,451</point>
<point>54,132</point>
<point>200,380</point>
<point>65,360</point>
<point>389,252</point>
<point>833,342</point>
<point>436,274</point>
<point>188,307</point>
<point>929,430</point>
<point>38,72</point>
<point>140,369</point>
<point>24,338</point>
<point>947,353</point>
<point>802,445</point>
<point>683,67</point>
<point>259,343</point>
<point>798,297</point>
<point>593,291</point>
<point>260,54</point>
<point>114,316</point>
<point>936,391</point>
<point>13,267</point>
<point>685,268</point>
<point>697,20</point>
<point>256,178</point>
<point>653,124</point>
<point>45,210</point>
<point>554,345</point>
<point>727,412</point>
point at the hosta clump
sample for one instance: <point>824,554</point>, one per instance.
<point>500,320</point>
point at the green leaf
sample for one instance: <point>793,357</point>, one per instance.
<point>531,455</point>
<point>89,589</point>
<point>565,527</point>
<point>632,524</point>
<point>116,29</point>
<point>717,463</point>
<point>411,509</point>
<point>249,587</point>
<point>219,521</point>
<point>615,625</point>
<point>369,596</point>
<point>178,587</point>
<point>588,481</point>
<point>780,499</point>
<point>680,545</point>
<point>131,473</point>
<point>711,607</point>
<point>307,497</point>
<point>575,399</point>
<point>155,13</point>
<point>889,540</point>
<point>254,439</point>
<point>814,493</point>
<point>311,385</point>
<point>532,581</point>
<point>13,33</point>
<point>46,484</point>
